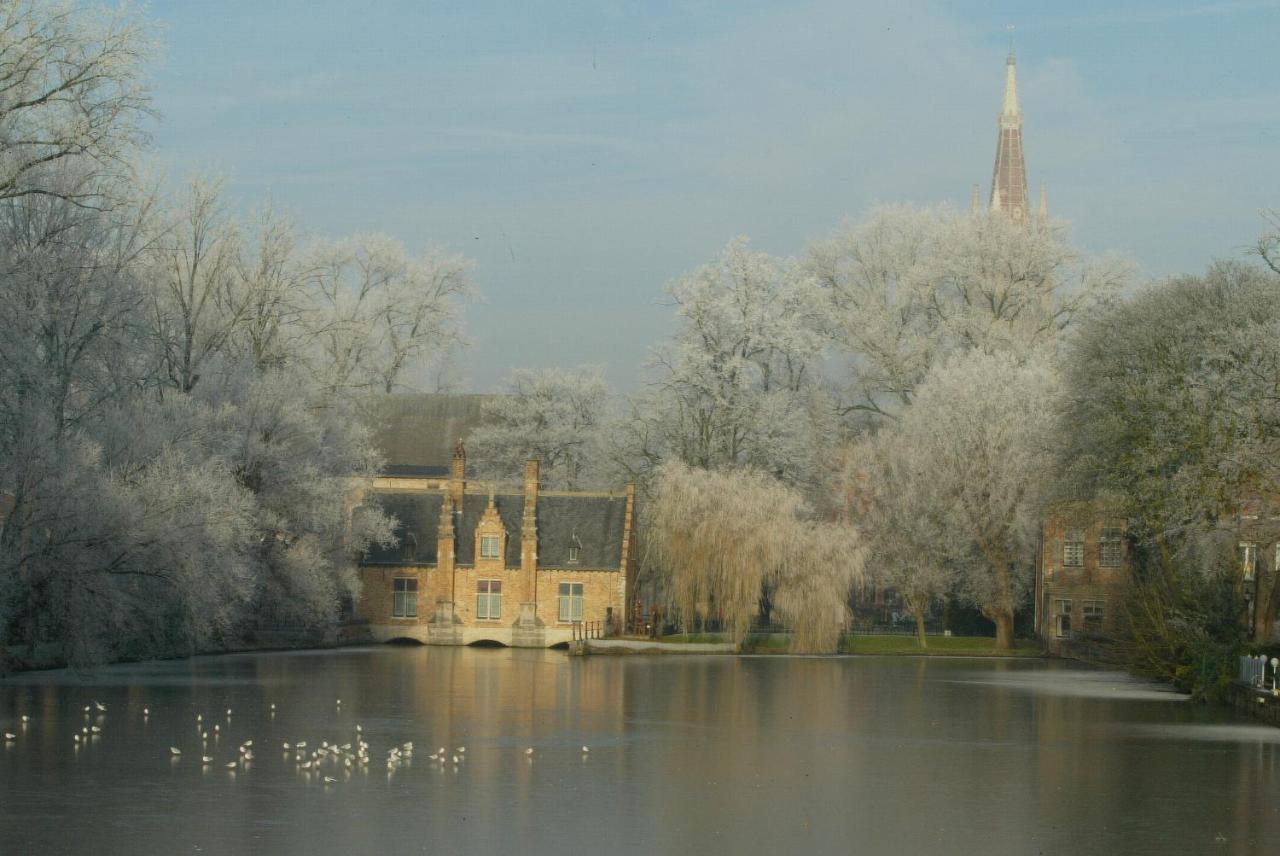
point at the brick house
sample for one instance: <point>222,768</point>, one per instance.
<point>478,563</point>
<point>1081,571</point>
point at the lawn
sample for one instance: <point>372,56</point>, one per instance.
<point>954,646</point>
<point>942,646</point>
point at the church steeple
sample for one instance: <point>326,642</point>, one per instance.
<point>1009,179</point>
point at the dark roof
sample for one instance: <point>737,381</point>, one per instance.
<point>416,432</point>
<point>418,515</point>
<point>595,521</point>
<point>592,522</point>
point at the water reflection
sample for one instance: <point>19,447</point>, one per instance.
<point>687,755</point>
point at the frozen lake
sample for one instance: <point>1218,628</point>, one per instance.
<point>697,755</point>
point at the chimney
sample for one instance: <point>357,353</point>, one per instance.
<point>458,474</point>
<point>529,536</point>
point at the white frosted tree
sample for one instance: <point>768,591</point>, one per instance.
<point>974,452</point>
<point>554,415</point>
<point>895,512</point>
<point>375,313</point>
<point>909,286</point>
<point>195,305</point>
<point>738,382</point>
<point>72,98</point>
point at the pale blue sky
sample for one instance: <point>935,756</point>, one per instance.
<point>584,154</point>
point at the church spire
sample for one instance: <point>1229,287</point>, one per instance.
<point>1009,179</point>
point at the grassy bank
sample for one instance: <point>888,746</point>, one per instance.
<point>940,646</point>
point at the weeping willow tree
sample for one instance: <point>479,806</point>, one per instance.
<point>721,538</point>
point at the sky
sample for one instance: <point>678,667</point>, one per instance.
<point>584,155</point>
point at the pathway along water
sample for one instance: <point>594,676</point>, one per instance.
<point>696,755</point>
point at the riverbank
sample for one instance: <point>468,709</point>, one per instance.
<point>778,643</point>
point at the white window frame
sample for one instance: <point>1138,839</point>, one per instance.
<point>491,541</point>
<point>1073,548</point>
<point>1096,610</point>
<point>488,600</point>
<point>570,597</point>
<point>1062,610</point>
<point>1248,561</point>
<point>402,605</point>
<point>1110,548</point>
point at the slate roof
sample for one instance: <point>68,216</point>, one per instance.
<point>591,521</point>
<point>417,432</point>
<point>596,522</point>
<point>419,515</point>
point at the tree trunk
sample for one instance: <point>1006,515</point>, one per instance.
<point>920,637</point>
<point>1264,610</point>
<point>1004,630</point>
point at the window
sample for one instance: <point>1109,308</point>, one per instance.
<point>570,602</point>
<point>1073,549</point>
<point>1094,613</point>
<point>574,546</point>
<point>490,547</point>
<point>404,598</point>
<point>489,600</point>
<point>1110,553</point>
<point>1247,560</point>
<point>1061,618</point>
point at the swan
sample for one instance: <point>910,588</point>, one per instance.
<point>100,706</point>
<point>208,759</point>
<point>586,749</point>
<point>286,747</point>
<point>231,765</point>
<point>329,780</point>
<point>529,751</point>
<point>26,718</point>
<point>146,711</point>
<point>175,751</point>
<point>9,736</point>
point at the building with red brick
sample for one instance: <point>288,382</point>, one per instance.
<point>1081,573</point>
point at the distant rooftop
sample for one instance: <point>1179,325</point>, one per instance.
<point>416,432</point>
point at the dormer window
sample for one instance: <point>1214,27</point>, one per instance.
<point>490,547</point>
<point>575,545</point>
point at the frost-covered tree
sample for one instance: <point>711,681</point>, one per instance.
<point>738,382</point>
<point>195,305</point>
<point>721,538</point>
<point>553,415</point>
<point>125,529</point>
<point>72,98</point>
<point>1171,414</point>
<point>896,514</point>
<point>975,458</point>
<point>909,286</point>
<point>375,312</point>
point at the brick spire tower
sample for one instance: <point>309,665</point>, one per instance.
<point>1009,180</point>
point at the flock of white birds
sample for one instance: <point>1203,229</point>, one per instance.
<point>322,760</point>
